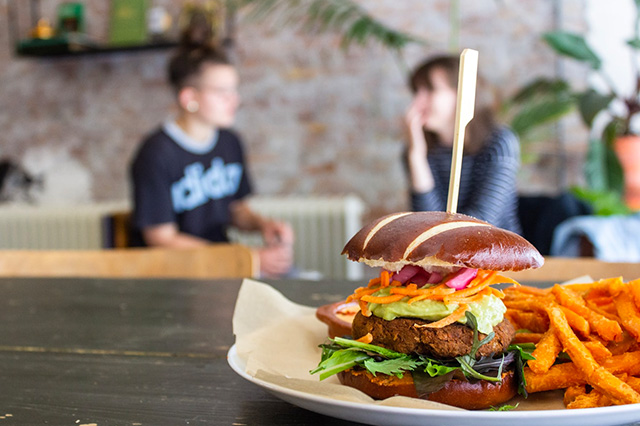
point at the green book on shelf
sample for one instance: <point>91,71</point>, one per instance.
<point>128,23</point>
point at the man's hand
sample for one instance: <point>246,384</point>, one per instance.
<point>275,261</point>
<point>277,233</point>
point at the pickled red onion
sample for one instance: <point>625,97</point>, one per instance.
<point>461,279</point>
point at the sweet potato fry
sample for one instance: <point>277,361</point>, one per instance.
<point>527,337</point>
<point>577,322</point>
<point>559,376</point>
<point>607,310</point>
<point>528,290</point>
<point>590,400</point>
<point>606,328</point>
<point>596,375</point>
<point>579,354</point>
<point>534,322</point>
<point>547,349</point>
<point>611,386</point>
<point>596,286</point>
<point>525,304</point>
<point>572,392</point>
<point>634,382</point>
<point>598,350</point>
<point>634,286</point>
<point>627,343</point>
<point>628,312</point>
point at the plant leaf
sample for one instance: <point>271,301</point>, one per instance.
<point>348,343</point>
<point>339,361</point>
<point>426,384</point>
<point>435,368</point>
<point>524,350</point>
<point>613,169</point>
<point>572,45</point>
<point>590,103</point>
<point>396,366</point>
<point>634,42</point>
<point>505,407</point>
<point>603,203</point>
<point>541,86</point>
<point>541,112</point>
<point>344,17</point>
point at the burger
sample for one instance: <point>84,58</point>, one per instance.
<point>431,326</point>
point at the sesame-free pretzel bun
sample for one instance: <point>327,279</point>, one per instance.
<point>478,395</point>
<point>440,239</point>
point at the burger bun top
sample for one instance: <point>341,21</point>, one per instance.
<point>440,239</point>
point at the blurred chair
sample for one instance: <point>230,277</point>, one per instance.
<point>559,269</point>
<point>214,261</point>
<point>540,216</point>
<point>120,227</point>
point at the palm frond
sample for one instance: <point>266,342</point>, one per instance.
<point>344,17</point>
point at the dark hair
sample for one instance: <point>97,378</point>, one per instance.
<point>483,122</point>
<point>197,48</point>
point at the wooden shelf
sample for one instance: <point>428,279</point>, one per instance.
<point>43,50</point>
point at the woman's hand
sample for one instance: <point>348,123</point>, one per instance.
<point>414,119</point>
<point>420,172</point>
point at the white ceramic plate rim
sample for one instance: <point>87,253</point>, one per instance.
<point>587,416</point>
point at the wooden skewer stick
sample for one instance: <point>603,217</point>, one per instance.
<point>464,113</point>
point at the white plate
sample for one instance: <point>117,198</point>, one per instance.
<point>390,416</point>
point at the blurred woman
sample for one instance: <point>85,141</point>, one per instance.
<point>491,152</point>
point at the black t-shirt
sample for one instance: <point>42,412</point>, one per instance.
<point>175,184</point>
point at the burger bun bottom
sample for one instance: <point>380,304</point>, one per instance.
<point>459,393</point>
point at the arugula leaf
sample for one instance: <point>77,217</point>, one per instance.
<point>524,350</point>
<point>435,368</point>
<point>487,363</point>
<point>505,407</point>
<point>469,371</point>
<point>523,354</point>
<point>468,361</point>
<point>339,361</point>
<point>426,384</point>
<point>396,366</point>
<point>347,343</point>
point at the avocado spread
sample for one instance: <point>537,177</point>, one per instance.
<point>489,311</point>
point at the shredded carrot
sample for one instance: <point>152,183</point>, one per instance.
<point>374,281</point>
<point>364,308</point>
<point>476,297</point>
<point>450,319</point>
<point>417,298</point>
<point>485,282</point>
<point>499,294</point>
<point>367,338</point>
<point>477,288</point>
<point>384,279</point>
<point>382,299</point>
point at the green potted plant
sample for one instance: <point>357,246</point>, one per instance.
<point>612,166</point>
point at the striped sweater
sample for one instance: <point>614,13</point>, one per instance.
<point>487,182</point>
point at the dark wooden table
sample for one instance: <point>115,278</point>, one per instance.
<point>134,352</point>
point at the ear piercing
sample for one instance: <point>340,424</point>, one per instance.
<point>193,106</point>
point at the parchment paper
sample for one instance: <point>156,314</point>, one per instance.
<point>278,339</point>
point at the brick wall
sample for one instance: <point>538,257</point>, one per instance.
<point>315,119</point>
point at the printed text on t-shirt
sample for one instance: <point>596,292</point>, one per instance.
<point>198,185</point>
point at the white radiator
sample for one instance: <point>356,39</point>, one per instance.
<point>55,228</point>
<point>322,226</point>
